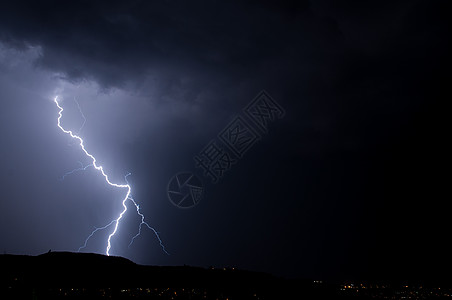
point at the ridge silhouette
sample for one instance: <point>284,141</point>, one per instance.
<point>61,271</point>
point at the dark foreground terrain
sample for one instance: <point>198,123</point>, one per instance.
<point>88,276</point>
<point>57,275</point>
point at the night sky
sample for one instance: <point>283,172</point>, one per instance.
<point>351,182</point>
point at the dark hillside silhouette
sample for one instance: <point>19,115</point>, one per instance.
<point>60,274</point>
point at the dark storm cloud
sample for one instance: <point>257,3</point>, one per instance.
<point>118,42</point>
<point>191,49</point>
<point>331,188</point>
<point>214,53</point>
<point>216,45</point>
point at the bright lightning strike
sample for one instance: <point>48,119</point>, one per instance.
<point>127,186</point>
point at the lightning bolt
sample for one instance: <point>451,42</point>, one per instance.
<point>126,186</point>
<point>83,116</point>
<point>143,222</point>
<point>82,168</point>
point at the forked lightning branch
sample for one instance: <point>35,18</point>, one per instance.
<point>124,186</point>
